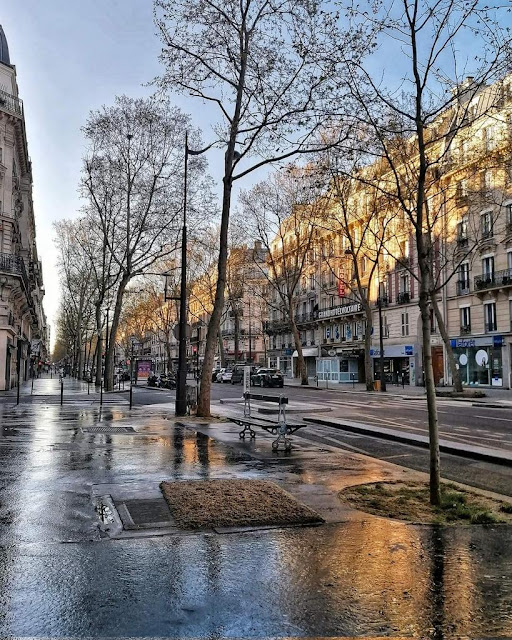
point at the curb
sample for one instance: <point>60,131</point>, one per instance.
<point>445,446</point>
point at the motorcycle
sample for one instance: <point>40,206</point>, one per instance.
<point>153,381</point>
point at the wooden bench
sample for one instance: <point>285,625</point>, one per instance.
<point>281,428</point>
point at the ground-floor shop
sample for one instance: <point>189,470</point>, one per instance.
<point>483,361</point>
<point>341,365</point>
<point>401,364</point>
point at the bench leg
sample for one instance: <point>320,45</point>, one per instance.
<point>252,433</point>
<point>282,440</point>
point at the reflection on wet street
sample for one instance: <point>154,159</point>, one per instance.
<point>59,576</point>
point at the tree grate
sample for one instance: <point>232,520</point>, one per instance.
<point>108,430</point>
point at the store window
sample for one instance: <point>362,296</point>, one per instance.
<point>405,324</point>
<point>465,320</point>
<point>490,317</point>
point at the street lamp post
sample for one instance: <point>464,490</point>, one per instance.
<point>250,333</point>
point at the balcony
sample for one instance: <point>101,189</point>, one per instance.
<point>404,297</point>
<point>487,234</point>
<point>301,318</point>
<point>403,263</point>
<point>462,287</point>
<point>462,242</point>
<point>14,265</point>
<point>494,280</point>
<point>383,301</point>
<point>490,327</point>
<point>465,329</point>
<point>11,104</point>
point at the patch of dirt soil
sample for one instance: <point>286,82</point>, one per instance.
<point>410,501</point>
<point>209,504</point>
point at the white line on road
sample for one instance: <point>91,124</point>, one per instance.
<point>493,418</point>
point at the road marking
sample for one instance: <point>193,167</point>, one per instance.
<point>493,418</point>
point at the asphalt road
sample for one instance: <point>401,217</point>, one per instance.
<point>459,421</point>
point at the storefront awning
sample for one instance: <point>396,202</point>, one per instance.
<point>307,353</point>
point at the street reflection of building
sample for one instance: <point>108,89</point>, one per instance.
<point>23,327</point>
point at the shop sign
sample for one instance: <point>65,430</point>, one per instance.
<point>341,310</point>
<point>143,369</point>
<point>394,351</point>
<point>466,343</point>
<point>331,353</point>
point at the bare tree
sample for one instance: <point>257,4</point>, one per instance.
<point>268,71</point>
<point>400,125</point>
<point>133,181</point>
<point>283,213</point>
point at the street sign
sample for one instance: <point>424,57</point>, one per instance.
<point>176,331</point>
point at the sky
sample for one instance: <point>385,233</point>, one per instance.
<point>72,56</point>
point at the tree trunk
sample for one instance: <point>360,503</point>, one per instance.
<point>221,352</point>
<point>109,355</point>
<point>456,381</point>
<point>168,352</point>
<point>301,363</point>
<point>237,335</point>
<point>368,369</point>
<point>99,345</point>
<point>203,406</point>
<point>428,375</point>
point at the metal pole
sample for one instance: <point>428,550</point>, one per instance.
<point>181,382</point>
<point>101,392</point>
<point>381,345</point>
<point>106,348</point>
<point>18,368</point>
<point>61,391</point>
<point>88,383</point>
<point>131,379</point>
<point>32,385</point>
<point>250,334</point>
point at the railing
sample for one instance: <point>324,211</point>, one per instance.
<point>492,280</point>
<point>404,262</point>
<point>462,287</point>
<point>11,103</point>
<point>404,297</point>
<point>383,301</point>
<point>490,327</point>
<point>462,242</point>
<point>306,317</point>
<point>465,329</point>
<point>14,265</point>
<point>487,233</point>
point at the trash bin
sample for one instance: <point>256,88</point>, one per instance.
<point>376,385</point>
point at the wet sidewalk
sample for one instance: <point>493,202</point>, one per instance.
<point>63,575</point>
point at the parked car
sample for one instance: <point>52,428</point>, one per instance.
<point>267,378</point>
<point>219,375</point>
<point>237,376</point>
<point>225,375</point>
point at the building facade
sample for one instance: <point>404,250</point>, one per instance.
<point>23,327</point>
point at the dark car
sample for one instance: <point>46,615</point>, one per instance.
<point>267,378</point>
<point>238,374</point>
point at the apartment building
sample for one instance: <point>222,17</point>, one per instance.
<point>23,327</point>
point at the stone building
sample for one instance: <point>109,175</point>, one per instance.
<point>23,328</point>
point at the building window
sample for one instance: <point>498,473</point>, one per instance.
<point>462,189</point>
<point>312,281</point>
<point>490,138</point>
<point>465,320</point>
<point>463,283</point>
<point>508,216</point>
<point>509,261</point>
<point>405,324</point>
<point>486,225</point>
<point>490,317</point>
<point>462,230</point>
<point>488,269</point>
<point>331,301</point>
<point>488,180</point>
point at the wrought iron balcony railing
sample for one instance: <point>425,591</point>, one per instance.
<point>494,280</point>
<point>14,265</point>
<point>490,327</point>
<point>462,287</point>
<point>11,104</point>
<point>403,297</point>
<point>465,329</point>
<point>383,301</point>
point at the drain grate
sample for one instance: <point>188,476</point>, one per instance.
<point>145,514</point>
<point>108,430</point>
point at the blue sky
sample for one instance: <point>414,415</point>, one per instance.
<point>72,56</point>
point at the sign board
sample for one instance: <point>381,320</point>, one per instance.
<point>341,310</point>
<point>247,379</point>
<point>331,353</point>
<point>143,369</point>
<point>35,346</point>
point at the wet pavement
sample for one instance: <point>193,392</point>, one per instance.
<point>62,574</point>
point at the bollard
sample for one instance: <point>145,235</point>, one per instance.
<point>101,392</point>
<point>131,396</point>
<point>403,382</point>
<point>352,375</point>
<point>61,391</point>
<point>88,385</point>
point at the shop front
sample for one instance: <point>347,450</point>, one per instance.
<point>479,360</point>
<point>310,355</point>
<point>399,363</point>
